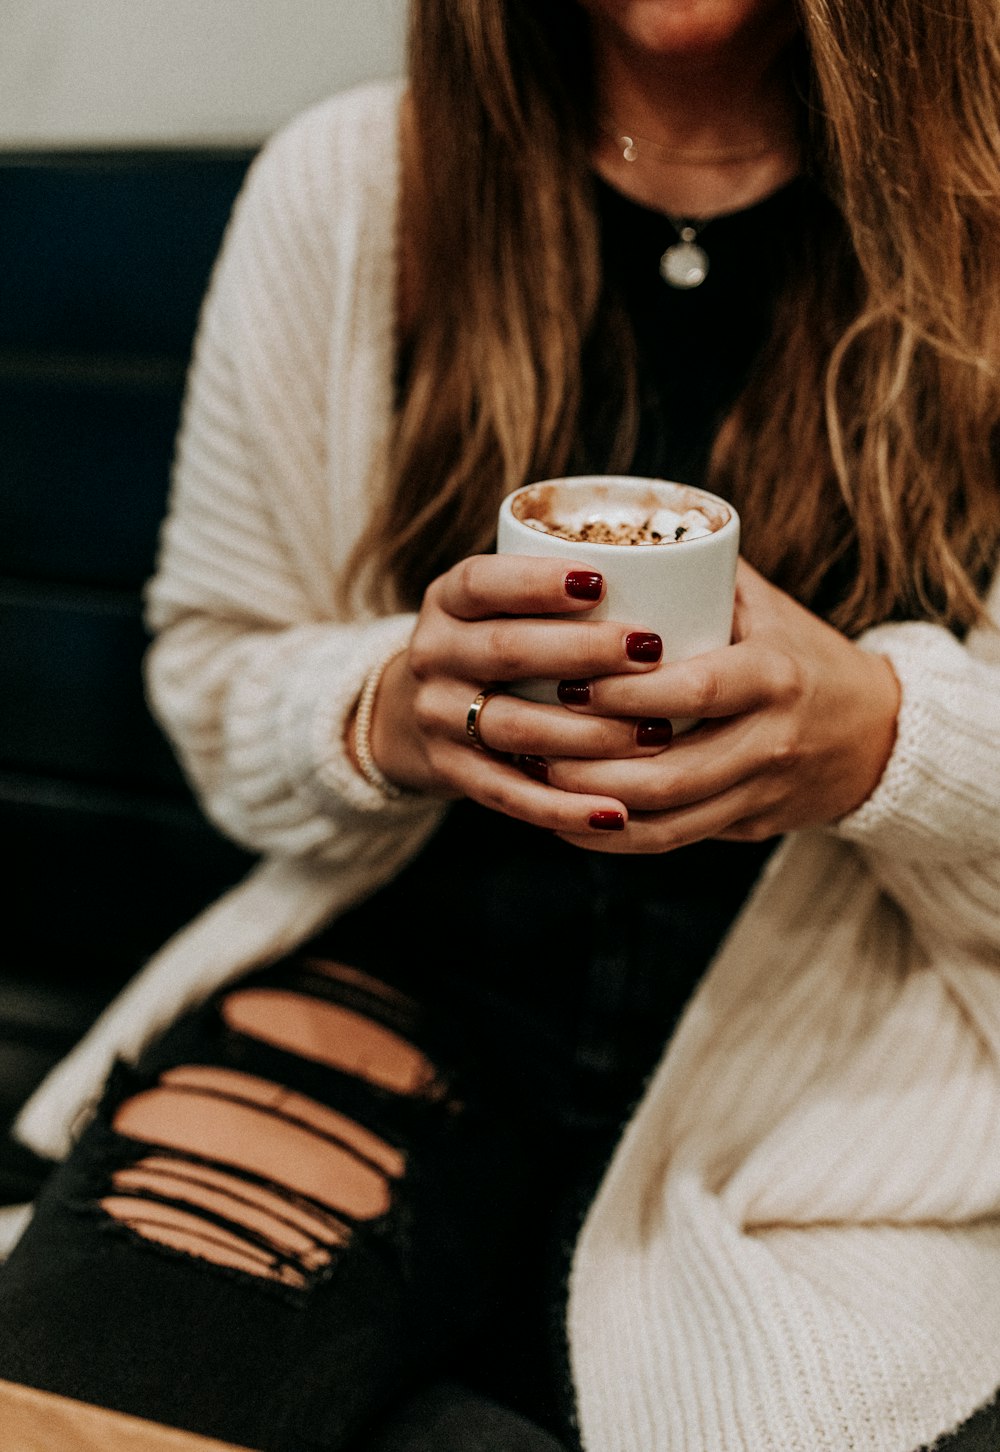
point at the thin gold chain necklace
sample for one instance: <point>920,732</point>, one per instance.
<point>684,264</point>
<point>631,146</point>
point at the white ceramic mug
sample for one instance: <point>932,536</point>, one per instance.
<point>683,590</point>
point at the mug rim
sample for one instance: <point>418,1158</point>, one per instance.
<point>574,481</point>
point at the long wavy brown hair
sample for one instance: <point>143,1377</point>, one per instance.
<point>868,430</point>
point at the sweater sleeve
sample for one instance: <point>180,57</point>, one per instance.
<point>254,669</point>
<point>931,828</point>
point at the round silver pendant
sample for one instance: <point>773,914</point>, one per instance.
<point>684,265</point>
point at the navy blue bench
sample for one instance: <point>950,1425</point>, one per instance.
<point>104,258</point>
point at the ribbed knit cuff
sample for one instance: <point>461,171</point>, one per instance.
<point>940,791</point>
<point>318,706</point>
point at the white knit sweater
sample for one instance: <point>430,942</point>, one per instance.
<point>797,1246</point>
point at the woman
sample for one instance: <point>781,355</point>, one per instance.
<point>374,1151</point>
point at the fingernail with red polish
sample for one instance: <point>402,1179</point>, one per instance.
<point>643,646</point>
<point>607,821</point>
<point>584,585</point>
<point>574,693</point>
<point>535,766</point>
<point>653,732</point>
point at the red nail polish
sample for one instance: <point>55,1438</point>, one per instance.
<point>574,693</point>
<point>607,821</point>
<point>643,646</point>
<point>535,766</point>
<point>653,732</point>
<point>584,585</point>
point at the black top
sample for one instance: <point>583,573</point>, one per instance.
<point>574,966</point>
<point>695,347</point>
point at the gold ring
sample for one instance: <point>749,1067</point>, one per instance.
<point>472,717</point>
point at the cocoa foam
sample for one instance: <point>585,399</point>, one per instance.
<point>655,513</point>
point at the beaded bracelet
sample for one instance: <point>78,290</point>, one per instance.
<point>367,764</point>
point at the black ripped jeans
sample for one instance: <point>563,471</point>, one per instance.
<point>334,1208</point>
<point>278,1293</point>
<point>209,1280</point>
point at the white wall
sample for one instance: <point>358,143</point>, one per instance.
<point>85,72</point>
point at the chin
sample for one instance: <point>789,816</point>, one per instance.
<point>687,27</point>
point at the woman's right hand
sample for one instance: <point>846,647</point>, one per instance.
<point>489,621</point>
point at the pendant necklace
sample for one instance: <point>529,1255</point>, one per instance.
<point>684,264</point>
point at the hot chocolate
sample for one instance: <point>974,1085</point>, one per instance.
<point>654,512</point>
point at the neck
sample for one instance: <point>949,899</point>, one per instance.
<point>715,130</point>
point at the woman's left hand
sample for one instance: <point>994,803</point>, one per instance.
<point>797,724</point>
